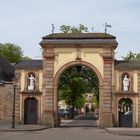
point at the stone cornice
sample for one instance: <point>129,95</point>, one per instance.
<point>112,43</point>
<point>126,94</point>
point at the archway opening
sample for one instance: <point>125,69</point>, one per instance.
<point>78,94</point>
<point>125,106</point>
<point>30,111</point>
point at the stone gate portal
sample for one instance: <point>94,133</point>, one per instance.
<point>94,50</point>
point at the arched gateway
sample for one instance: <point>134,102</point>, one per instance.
<point>117,80</point>
<point>94,50</point>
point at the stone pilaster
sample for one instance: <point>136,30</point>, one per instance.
<point>48,88</point>
<point>139,100</point>
<point>106,94</point>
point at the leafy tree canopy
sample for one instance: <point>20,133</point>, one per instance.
<point>74,82</point>
<point>134,57</point>
<point>12,52</point>
<point>72,92</point>
<point>73,29</point>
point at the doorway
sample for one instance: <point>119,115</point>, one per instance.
<point>30,111</point>
<point>125,112</point>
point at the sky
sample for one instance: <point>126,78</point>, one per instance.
<point>25,22</point>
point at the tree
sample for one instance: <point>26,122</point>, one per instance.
<point>80,102</point>
<point>73,29</point>
<point>25,58</point>
<point>65,28</point>
<point>72,92</point>
<point>134,57</point>
<point>12,52</point>
<point>74,82</point>
<point>95,101</point>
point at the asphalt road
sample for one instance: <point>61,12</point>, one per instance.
<point>69,130</point>
<point>88,120</point>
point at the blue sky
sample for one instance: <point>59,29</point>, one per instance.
<point>25,22</point>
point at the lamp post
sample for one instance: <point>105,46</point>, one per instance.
<point>13,113</point>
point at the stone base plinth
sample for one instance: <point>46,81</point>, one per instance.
<point>105,120</point>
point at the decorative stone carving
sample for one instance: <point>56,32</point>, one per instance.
<point>126,83</point>
<point>32,80</point>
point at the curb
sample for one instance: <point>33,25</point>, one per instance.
<point>23,129</point>
<point>123,132</point>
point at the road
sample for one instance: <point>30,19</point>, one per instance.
<point>82,128</point>
<point>87,120</point>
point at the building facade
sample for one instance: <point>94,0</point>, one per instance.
<point>37,80</point>
<point>130,98</point>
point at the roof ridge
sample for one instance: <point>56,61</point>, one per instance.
<point>79,36</point>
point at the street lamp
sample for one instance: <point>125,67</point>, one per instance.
<point>14,97</point>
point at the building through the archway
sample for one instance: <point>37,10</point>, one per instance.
<point>61,51</point>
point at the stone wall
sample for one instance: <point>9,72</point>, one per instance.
<point>6,98</point>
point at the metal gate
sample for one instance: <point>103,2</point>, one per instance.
<point>125,112</point>
<point>30,111</point>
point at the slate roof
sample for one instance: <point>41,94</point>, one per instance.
<point>120,64</point>
<point>79,36</point>
<point>6,70</point>
<point>29,64</point>
<point>38,64</point>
